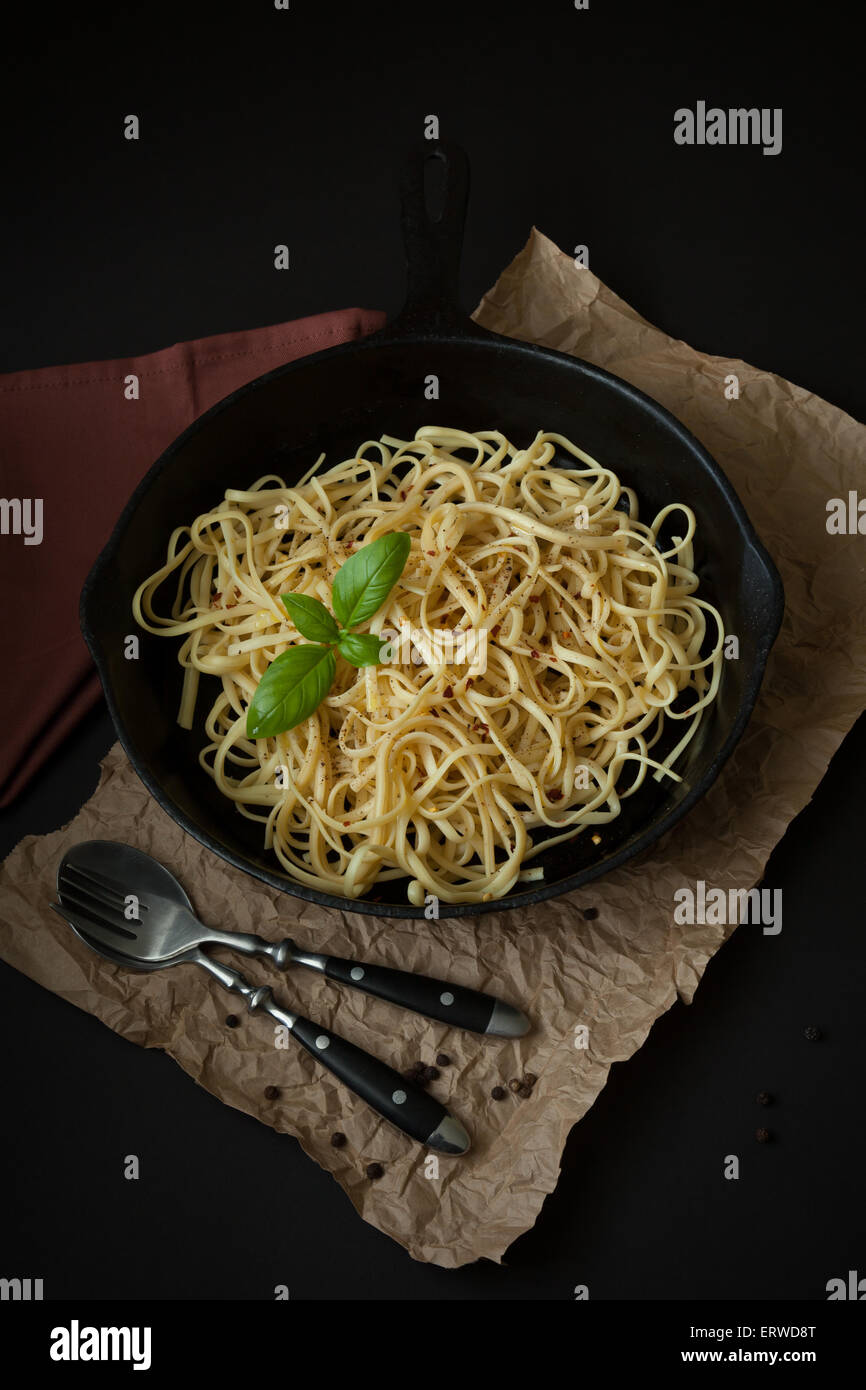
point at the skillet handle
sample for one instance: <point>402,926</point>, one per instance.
<point>433,245</point>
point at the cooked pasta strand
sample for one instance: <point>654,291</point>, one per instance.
<point>431,768</point>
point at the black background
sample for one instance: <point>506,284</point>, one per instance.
<point>261,126</point>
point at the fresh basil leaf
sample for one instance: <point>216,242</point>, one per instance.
<point>311,617</point>
<point>362,584</point>
<point>361,649</point>
<point>293,686</point>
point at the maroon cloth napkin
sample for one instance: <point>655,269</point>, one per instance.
<point>70,437</point>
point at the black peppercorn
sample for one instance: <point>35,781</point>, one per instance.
<point>442,1059</point>
<point>374,1171</point>
<point>337,1140</point>
<point>272,1092</point>
<point>764,1098</point>
<point>232,1020</point>
<point>431,1073</point>
<point>499,1093</point>
<point>530,1078</point>
<point>812,1034</point>
<point>762,1135</point>
<point>515,1085</point>
<point>589,914</point>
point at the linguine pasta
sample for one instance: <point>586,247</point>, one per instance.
<point>584,648</point>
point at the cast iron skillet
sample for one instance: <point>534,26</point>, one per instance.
<point>333,401</point>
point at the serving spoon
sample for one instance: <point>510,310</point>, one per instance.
<point>105,876</point>
<point>393,1096</point>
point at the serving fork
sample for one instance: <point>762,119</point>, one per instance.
<point>102,876</point>
<point>130,909</point>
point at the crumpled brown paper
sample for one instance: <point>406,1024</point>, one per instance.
<point>786,453</point>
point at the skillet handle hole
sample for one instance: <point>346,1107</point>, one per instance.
<point>435,185</point>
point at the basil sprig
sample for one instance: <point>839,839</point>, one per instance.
<point>293,686</point>
<point>297,681</point>
<point>361,649</point>
<point>311,618</point>
<point>365,581</point>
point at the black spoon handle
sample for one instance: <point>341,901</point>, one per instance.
<point>454,1004</point>
<point>391,1095</point>
<point>418,1114</point>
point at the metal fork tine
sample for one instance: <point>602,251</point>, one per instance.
<point>95,886</point>
<point>97,927</point>
<point>90,902</point>
<point>94,934</point>
<point>92,897</point>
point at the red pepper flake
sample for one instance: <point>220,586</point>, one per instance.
<point>554,796</point>
<point>431,552</point>
<point>535,598</point>
<point>402,497</point>
<point>534,653</point>
<point>449,693</point>
<point>496,631</point>
<point>215,601</point>
<point>347,822</point>
<point>471,680</point>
